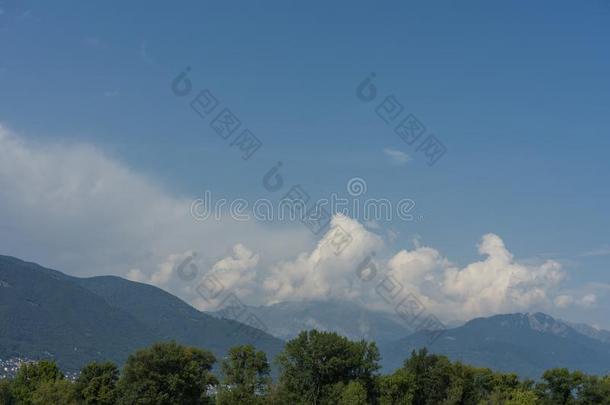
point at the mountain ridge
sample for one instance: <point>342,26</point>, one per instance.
<point>526,344</point>
<point>286,319</point>
<point>47,314</point>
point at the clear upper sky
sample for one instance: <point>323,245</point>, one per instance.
<point>518,92</point>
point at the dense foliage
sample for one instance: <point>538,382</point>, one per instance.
<point>167,373</point>
<point>245,377</point>
<point>314,368</point>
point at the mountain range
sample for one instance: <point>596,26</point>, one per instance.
<point>286,319</point>
<point>527,344</point>
<point>47,314</point>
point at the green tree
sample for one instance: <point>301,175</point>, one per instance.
<point>522,397</point>
<point>353,394</point>
<point>54,392</point>
<point>472,385</point>
<point>559,386</point>
<point>594,390</point>
<point>433,377</point>
<point>245,377</point>
<point>278,395</point>
<point>6,393</point>
<point>313,363</point>
<point>31,376</point>
<point>397,388</point>
<point>97,384</point>
<point>518,396</point>
<point>167,374</point>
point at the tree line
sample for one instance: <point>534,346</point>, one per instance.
<point>316,368</point>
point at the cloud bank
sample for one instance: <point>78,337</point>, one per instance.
<point>71,207</point>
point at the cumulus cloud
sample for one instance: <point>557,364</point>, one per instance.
<point>136,275</point>
<point>564,301</point>
<point>73,208</point>
<point>167,269</point>
<point>495,284</point>
<point>586,301</point>
<point>589,300</point>
<point>322,273</point>
<point>235,273</point>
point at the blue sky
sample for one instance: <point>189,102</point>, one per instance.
<point>517,92</point>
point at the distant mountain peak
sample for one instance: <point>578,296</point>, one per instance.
<point>351,319</point>
<point>526,343</point>
<point>546,323</point>
<point>537,321</point>
<point>593,332</point>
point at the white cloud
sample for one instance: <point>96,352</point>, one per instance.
<point>235,273</point>
<point>588,300</point>
<point>73,208</point>
<point>167,269</point>
<point>322,273</point>
<point>582,298</point>
<point>396,156</point>
<point>496,284</point>
<point>564,301</point>
<point>603,251</point>
<point>136,275</point>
